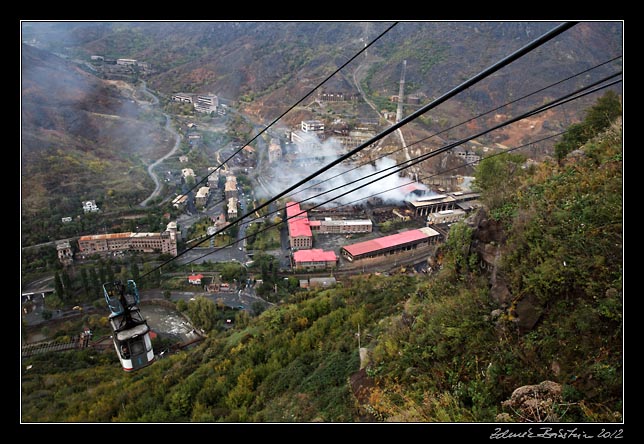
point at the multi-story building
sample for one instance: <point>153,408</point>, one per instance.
<point>230,188</point>
<point>65,254</point>
<point>205,103</point>
<point>232,208</point>
<point>330,226</point>
<point>164,242</point>
<point>182,97</point>
<point>299,230</point>
<point>468,156</point>
<point>312,126</point>
<point>201,198</point>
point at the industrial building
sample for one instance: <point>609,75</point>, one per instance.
<point>299,230</point>
<point>432,204</point>
<point>312,126</point>
<point>314,259</point>
<point>203,103</point>
<point>435,203</point>
<point>445,217</point>
<point>165,242</point>
<point>330,226</point>
<point>390,245</point>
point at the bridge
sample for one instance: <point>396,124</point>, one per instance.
<point>76,342</point>
<point>29,295</point>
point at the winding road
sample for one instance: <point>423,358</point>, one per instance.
<point>168,127</point>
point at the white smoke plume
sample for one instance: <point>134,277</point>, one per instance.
<point>313,154</point>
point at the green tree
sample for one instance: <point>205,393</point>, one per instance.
<point>58,286</point>
<point>102,272</point>
<point>67,284</point>
<point>598,117</point>
<point>601,115</point>
<point>134,271</point>
<point>573,138</point>
<point>95,284</point>
<point>85,282</point>
<point>497,178</point>
<point>203,313</point>
<point>233,271</point>
<point>110,272</point>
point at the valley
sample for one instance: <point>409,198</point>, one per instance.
<point>153,151</point>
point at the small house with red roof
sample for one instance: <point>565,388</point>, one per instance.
<point>195,279</point>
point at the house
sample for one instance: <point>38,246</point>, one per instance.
<point>179,201</point>
<point>202,196</point>
<point>195,279</point>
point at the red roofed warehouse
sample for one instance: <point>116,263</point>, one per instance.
<point>299,230</point>
<point>393,244</point>
<point>314,259</point>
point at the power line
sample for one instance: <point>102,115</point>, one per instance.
<point>581,92</point>
<point>463,86</point>
<point>293,106</point>
<point>457,125</point>
<point>418,141</point>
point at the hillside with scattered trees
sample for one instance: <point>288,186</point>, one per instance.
<point>527,294</point>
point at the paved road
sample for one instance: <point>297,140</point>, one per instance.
<point>168,127</point>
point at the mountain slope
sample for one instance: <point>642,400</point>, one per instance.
<point>82,138</point>
<point>519,300</point>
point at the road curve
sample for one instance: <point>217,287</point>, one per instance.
<point>168,127</point>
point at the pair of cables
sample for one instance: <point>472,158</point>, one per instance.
<point>443,98</point>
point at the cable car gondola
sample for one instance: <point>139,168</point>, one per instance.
<point>131,333</point>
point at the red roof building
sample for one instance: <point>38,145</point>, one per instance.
<point>387,245</point>
<point>299,230</point>
<point>314,259</point>
<point>195,279</point>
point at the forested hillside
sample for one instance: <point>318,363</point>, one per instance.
<point>528,292</point>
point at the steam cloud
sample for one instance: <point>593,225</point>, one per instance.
<point>313,154</point>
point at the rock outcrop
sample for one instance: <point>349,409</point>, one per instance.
<point>533,403</point>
